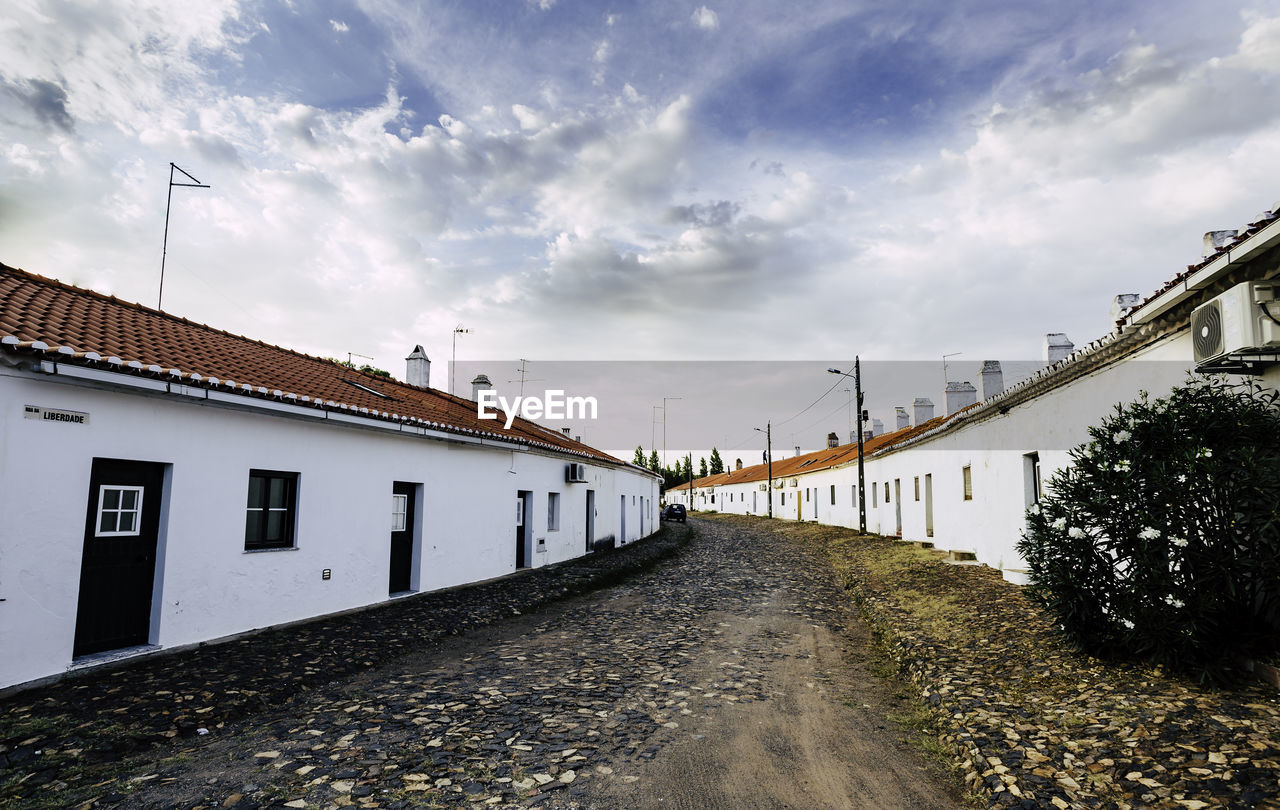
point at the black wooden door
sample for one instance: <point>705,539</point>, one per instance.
<point>118,568</point>
<point>402,511</point>
<point>522,500</point>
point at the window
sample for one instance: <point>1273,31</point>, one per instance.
<point>806,494</point>
<point>553,511</point>
<point>833,494</point>
<point>784,499</point>
<point>875,495</point>
<point>853,494</point>
<point>1031,474</point>
<point>967,474</point>
<point>269,515</point>
<point>119,511</point>
<point>886,491</point>
<point>399,507</point>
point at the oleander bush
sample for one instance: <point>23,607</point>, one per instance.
<point>1161,540</point>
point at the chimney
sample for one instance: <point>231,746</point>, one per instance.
<point>1217,240</point>
<point>737,465</point>
<point>877,427</point>
<point>992,379</point>
<point>921,411</point>
<point>900,416</point>
<point>833,440</point>
<point>566,432</point>
<point>578,439</point>
<point>853,437</point>
<point>480,383</point>
<point>797,450</point>
<point>1057,346</point>
<point>868,435</point>
<point>1122,303</point>
<point>417,368</point>
<point>960,395</point>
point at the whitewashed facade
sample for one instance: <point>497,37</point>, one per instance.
<point>1010,444</point>
<point>461,517</point>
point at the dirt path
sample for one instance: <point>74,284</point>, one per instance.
<point>733,676</point>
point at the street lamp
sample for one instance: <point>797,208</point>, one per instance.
<point>664,434</point>
<point>768,457</point>
<point>862,417</point>
<point>453,367</point>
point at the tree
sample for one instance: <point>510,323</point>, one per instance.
<point>702,467</point>
<point>639,459</point>
<point>717,464</point>
<point>654,463</point>
<point>1162,539</point>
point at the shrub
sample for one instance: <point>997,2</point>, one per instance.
<point>1161,540</point>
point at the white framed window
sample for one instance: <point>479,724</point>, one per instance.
<point>553,511</point>
<point>119,511</point>
<point>399,509</point>
<point>966,474</point>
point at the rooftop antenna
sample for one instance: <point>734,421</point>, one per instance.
<point>164,251</point>
<point>945,378</point>
<point>453,366</point>
<point>523,380</point>
<point>353,354</point>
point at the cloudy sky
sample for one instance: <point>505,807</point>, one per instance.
<point>636,180</point>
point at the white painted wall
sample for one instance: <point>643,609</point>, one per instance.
<point>208,585</point>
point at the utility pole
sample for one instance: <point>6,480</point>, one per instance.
<point>664,432</point>
<point>862,484</point>
<point>768,458</point>
<point>164,250</point>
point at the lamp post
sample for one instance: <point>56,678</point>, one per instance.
<point>453,366</point>
<point>862,417</point>
<point>768,457</point>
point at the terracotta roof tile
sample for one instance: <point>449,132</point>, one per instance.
<point>35,308</point>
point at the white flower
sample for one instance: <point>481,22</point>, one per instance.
<point>1182,479</point>
<point>1060,524</point>
<point>1169,600</point>
<point>1122,436</point>
<point>1180,542</point>
<point>1076,532</point>
<point>1128,624</point>
<point>1034,508</point>
<point>1149,533</point>
<point>1204,452</point>
<point>1122,466</point>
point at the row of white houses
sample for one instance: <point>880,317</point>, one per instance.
<point>165,483</point>
<point>964,480</point>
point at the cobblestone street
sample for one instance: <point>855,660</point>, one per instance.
<point>733,675</point>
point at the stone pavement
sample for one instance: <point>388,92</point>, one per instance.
<point>51,735</point>
<point>595,702</point>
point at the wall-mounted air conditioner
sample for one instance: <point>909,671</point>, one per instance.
<point>1236,322</point>
<point>575,473</point>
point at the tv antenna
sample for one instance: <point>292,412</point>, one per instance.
<point>164,250</point>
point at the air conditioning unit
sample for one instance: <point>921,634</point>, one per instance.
<point>575,473</point>
<point>1236,322</point>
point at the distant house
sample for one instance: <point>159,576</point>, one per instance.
<point>963,480</point>
<point>166,483</point>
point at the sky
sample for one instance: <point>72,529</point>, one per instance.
<point>629,181</point>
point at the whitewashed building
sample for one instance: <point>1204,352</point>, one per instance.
<point>166,483</point>
<point>963,480</point>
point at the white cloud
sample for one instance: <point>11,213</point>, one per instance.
<point>706,19</point>
<point>339,26</point>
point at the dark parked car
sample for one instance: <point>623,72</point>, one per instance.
<point>674,511</point>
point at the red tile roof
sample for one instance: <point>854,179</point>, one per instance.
<point>71,324</point>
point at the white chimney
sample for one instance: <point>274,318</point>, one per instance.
<point>992,379</point>
<point>480,383</point>
<point>1057,346</point>
<point>417,368</point>
<point>797,450</point>
<point>1122,303</point>
<point>1217,240</point>
<point>900,416</point>
<point>833,440</point>
<point>853,436</point>
<point>960,395</point>
<point>877,427</point>
<point>921,411</point>
<point>737,465</point>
